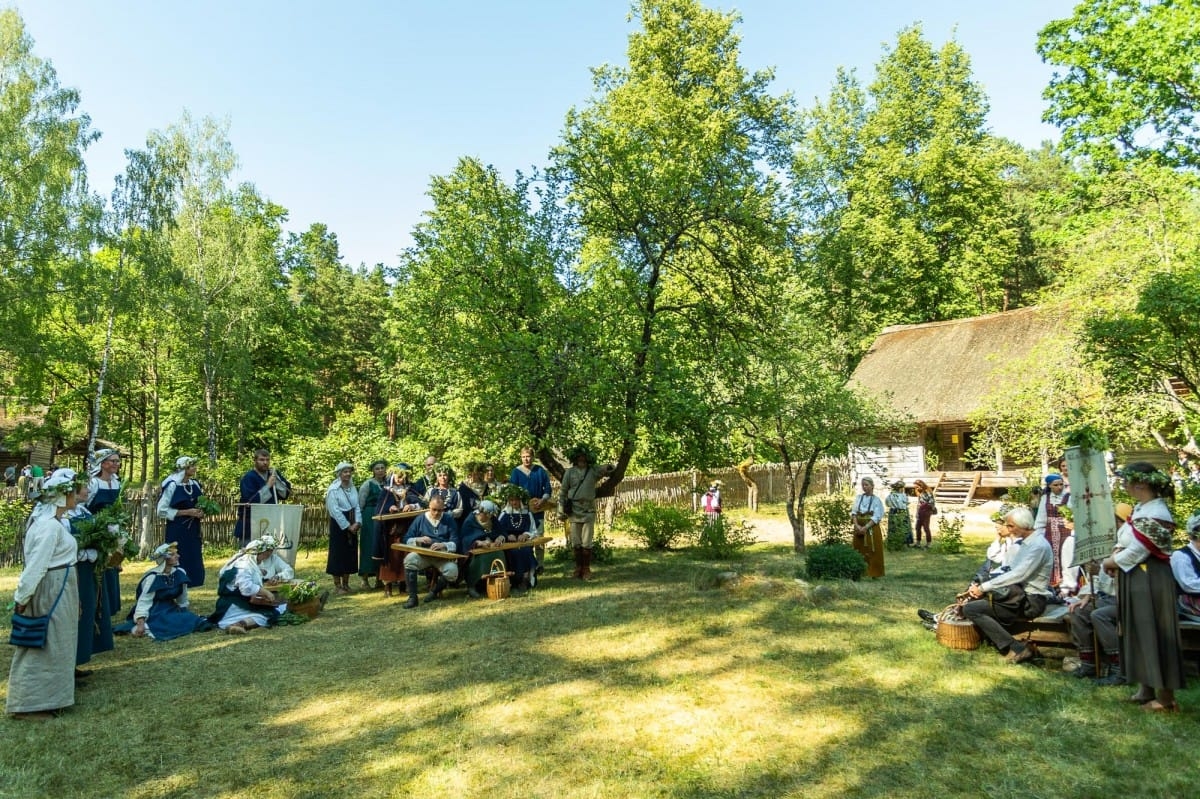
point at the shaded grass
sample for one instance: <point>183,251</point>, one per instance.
<point>650,682</point>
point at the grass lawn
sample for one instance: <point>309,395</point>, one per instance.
<point>643,683</point>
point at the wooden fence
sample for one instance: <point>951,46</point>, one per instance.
<point>681,489</point>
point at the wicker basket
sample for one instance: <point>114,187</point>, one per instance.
<point>955,632</point>
<point>498,585</point>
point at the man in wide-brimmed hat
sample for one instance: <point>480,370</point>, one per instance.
<point>577,505</point>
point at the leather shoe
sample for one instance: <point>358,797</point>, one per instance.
<point>926,615</point>
<point>1025,654</point>
<point>81,673</point>
<point>1084,670</point>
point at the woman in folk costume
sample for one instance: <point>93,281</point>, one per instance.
<point>899,531</point>
<point>104,489</point>
<point>243,600</point>
<point>443,486</point>
<point>341,502</point>
<point>180,493</point>
<point>95,620</point>
<point>517,524</point>
<point>369,494</point>
<point>712,501</point>
<point>41,682</point>
<point>868,538</point>
<point>399,495</point>
<point>926,508</point>
<point>480,534</point>
<point>160,608</point>
<point>1064,580</point>
<point>1151,652</point>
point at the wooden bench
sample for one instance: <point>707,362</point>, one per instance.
<point>1051,629</point>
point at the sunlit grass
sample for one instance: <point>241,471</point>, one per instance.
<point>645,683</point>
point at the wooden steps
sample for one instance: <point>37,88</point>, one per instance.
<point>956,488</point>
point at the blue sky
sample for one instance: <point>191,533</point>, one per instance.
<point>342,111</point>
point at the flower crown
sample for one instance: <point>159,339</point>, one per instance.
<point>1154,479</point>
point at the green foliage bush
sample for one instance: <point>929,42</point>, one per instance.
<point>659,527</point>
<point>835,561</point>
<point>829,518</point>
<point>722,538</point>
<point>12,516</point>
<point>949,533</point>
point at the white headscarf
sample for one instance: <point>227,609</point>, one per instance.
<point>181,466</point>
<point>337,479</point>
<point>159,555</point>
<point>100,457</point>
<point>54,493</point>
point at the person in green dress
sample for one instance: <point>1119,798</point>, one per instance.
<point>369,494</point>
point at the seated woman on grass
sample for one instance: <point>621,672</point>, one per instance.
<point>479,535</point>
<point>160,608</point>
<point>243,600</point>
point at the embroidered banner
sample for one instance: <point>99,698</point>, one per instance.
<point>1091,505</point>
<point>281,521</point>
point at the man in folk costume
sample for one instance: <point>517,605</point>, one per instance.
<point>1019,593</point>
<point>262,485</point>
<point>536,482</point>
<point>578,494</point>
<point>1093,619</point>
<point>434,530</point>
<point>1051,521</point>
<point>1185,565</point>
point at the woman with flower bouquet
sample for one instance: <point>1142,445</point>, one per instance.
<point>182,506</point>
<point>104,494</point>
<point>160,608</point>
<point>95,617</point>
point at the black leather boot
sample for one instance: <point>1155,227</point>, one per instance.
<point>410,578</point>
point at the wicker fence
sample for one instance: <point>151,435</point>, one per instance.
<point>682,489</point>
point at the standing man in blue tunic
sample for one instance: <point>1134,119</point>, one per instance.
<point>261,485</point>
<point>536,481</point>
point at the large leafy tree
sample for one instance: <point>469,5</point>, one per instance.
<point>664,169</point>
<point>1128,87</point>
<point>480,312</point>
<point>48,222</point>
<point>900,193</point>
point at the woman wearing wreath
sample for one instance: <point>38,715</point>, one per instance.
<point>398,495</point>
<point>41,682</point>
<point>517,524</point>
<point>1151,651</point>
<point>160,608</point>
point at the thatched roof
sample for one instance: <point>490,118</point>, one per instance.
<point>940,371</point>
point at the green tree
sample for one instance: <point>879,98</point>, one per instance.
<point>1128,87</point>
<point>664,168</point>
<point>901,198</point>
<point>48,221</point>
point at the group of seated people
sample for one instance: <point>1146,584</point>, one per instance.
<point>449,522</point>
<point>1028,568</point>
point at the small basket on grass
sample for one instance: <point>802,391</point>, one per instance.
<point>498,584</point>
<point>955,632</point>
